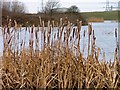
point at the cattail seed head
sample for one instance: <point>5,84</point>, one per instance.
<point>73,32</point>
<point>70,38</point>
<point>36,34</point>
<point>48,23</point>
<point>43,23</point>
<point>54,35</point>
<point>40,20</point>
<point>84,33</point>
<point>53,23</point>
<point>89,29</point>
<point>15,25</point>
<point>8,30</point>
<point>116,32</point>
<point>61,21</point>
<point>32,29</point>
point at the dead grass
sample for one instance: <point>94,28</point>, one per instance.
<point>59,64</point>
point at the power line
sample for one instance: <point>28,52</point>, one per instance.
<point>42,5</point>
<point>107,5</point>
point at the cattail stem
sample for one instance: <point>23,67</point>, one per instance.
<point>40,20</point>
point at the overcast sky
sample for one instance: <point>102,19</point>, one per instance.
<point>84,5</point>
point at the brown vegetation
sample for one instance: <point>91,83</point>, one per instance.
<point>59,64</point>
<point>93,19</point>
<point>34,18</point>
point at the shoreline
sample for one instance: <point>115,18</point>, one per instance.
<point>96,21</point>
<point>106,21</point>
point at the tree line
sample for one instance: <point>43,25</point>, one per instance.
<point>50,7</point>
<point>13,6</point>
<point>48,12</point>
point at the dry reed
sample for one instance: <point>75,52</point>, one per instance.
<point>58,64</point>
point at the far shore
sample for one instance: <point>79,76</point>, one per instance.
<point>103,21</point>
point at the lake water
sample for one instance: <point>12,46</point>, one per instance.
<point>105,38</point>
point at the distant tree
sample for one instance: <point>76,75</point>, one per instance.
<point>73,9</point>
<point>0,5</point>
<point>50,6</point>
<point>6,5</point>
<point>14,6</point>
<point>18,7</point>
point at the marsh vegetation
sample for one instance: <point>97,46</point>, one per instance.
<point>59,62</point>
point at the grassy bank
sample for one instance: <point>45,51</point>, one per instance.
<point>106,15</point>
<point>30,19</point>
<point>60,64</point>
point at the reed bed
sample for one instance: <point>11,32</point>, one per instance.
<point>59,62</point>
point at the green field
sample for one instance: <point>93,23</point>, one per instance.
<point>106,15</point>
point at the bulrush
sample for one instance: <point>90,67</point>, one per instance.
<point>84,34</point>
<point>89,35</point>
<point>40,20</point>
<point>16,26</point>
<point>56,65</point>
<point>61,22</point>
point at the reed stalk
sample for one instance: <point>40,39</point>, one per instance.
<point>57,64</point>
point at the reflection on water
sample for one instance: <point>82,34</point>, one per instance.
<point>104,33</point>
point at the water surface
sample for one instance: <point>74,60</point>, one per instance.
<point>104,32</point>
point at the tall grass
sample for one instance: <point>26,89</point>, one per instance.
<point>59,63</point>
